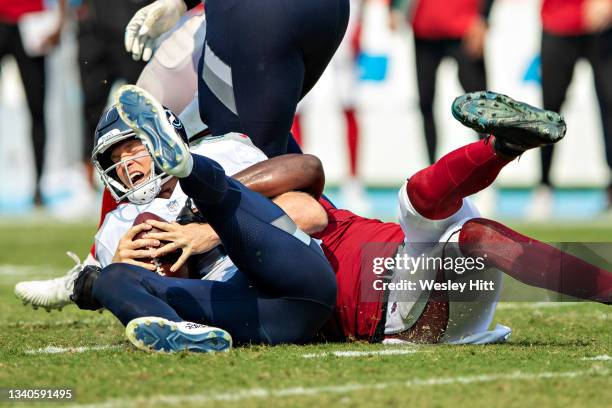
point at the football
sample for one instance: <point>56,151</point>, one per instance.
<point>163,263</point>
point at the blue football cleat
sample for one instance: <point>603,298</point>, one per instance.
<point>516,126</point>
<point>157,334</point>
<point>143,113</point>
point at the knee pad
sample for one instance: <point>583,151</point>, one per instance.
<point>425,231</point>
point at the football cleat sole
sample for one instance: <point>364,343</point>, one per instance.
<point>147,117</point>
<point>48,309</point>
<point>155,334</point>
<point>518,125</point>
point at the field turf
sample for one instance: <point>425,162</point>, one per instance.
<point>559,354</point>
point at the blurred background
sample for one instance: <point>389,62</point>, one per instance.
<point>365,119</point>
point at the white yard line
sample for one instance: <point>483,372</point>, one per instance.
<point>50,323</point>
<point>603,357</point>
<point>27,270</point>
<point>58,350</point>
<point>270,393</point>
<point>83,349</point>
<point>361,353</point>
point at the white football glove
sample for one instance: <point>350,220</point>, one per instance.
<point>149,23</point>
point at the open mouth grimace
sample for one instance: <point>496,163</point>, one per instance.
<point>137,178</point>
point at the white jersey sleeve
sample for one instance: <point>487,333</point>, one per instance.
<point>104,255</point>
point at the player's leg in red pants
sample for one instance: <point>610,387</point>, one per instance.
<point>437,192</point>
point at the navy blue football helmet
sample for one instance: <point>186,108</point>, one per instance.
<point>110,132</point>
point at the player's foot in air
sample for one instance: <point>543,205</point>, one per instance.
<point>50,293</point>
<point>516,126</point>
<point>143,113</point>
<point>164,336</point>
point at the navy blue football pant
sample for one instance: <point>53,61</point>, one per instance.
<point>260,58</point>
<point>284,291</point>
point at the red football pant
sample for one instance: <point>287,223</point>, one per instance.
<point>533,262</point>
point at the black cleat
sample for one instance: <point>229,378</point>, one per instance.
<point>516,126</point>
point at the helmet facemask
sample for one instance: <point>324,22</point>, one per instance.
<point>110,132</point>
<point>143,192</point>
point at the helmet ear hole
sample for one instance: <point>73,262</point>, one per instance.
<point>177,124</point>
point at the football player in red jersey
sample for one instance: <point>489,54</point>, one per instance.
<point>434,210</point>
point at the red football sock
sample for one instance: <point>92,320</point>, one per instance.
<point>533,262</point>
<point>296,129</point>
<point>437,191</point>
<point>352,138</point>
<point>108,205</point>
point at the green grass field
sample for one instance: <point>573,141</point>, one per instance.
<point>558,355</point>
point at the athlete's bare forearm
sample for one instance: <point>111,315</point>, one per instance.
<point>290,172</point>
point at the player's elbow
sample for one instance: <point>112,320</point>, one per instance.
<point>315,175</point>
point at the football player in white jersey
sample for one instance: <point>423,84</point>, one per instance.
<point>233,152</point>
<point>282,289</point>
<point>174,62</point>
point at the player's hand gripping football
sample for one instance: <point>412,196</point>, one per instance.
<point>190,239</point>
<point>129,250</point>
<point>149,23</point>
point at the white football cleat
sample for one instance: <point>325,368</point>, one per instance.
<point>160,335</point>
<point>52,293</point>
